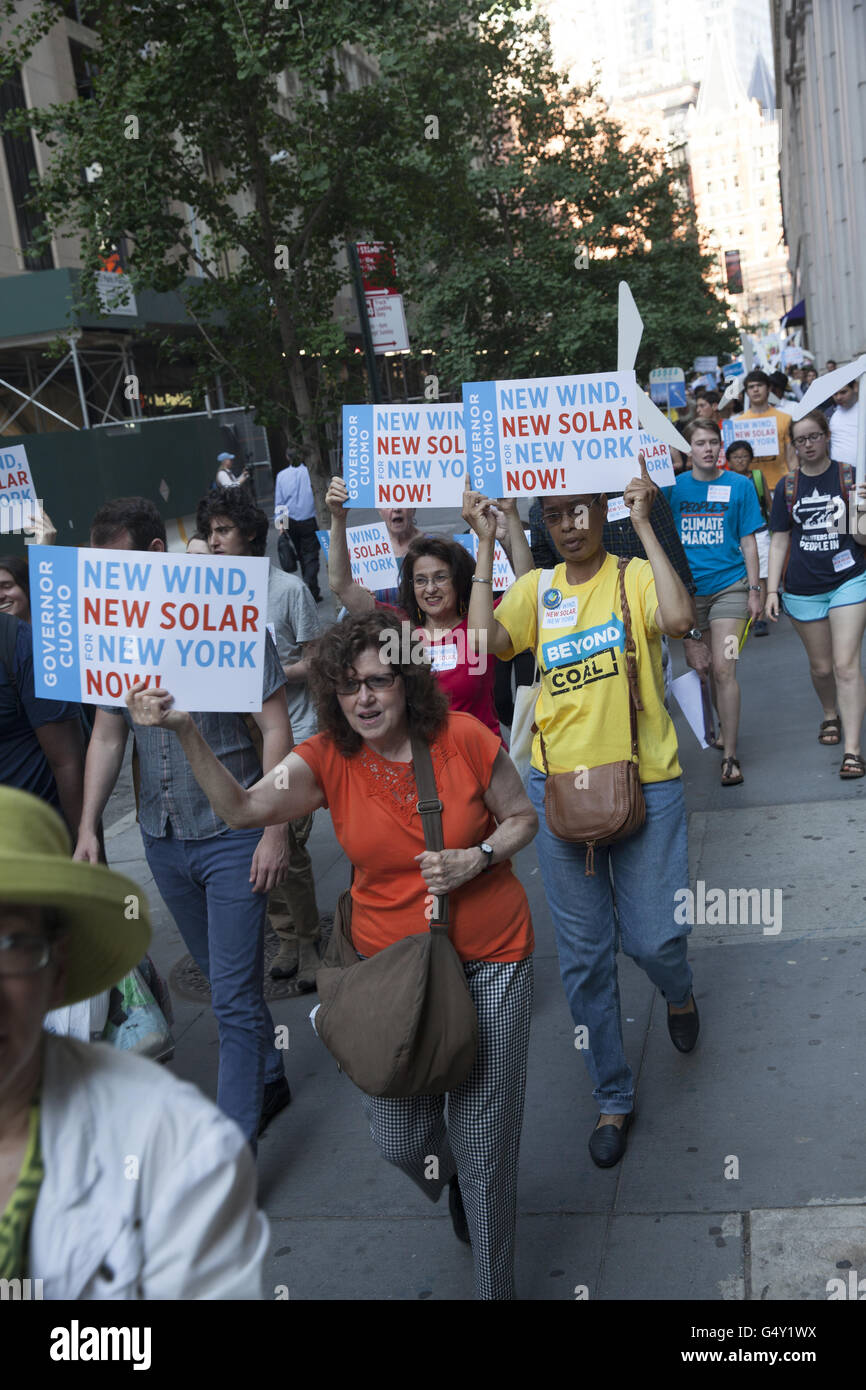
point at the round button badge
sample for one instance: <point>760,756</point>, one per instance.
<point>551,598</point>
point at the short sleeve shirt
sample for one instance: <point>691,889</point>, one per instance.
<point>22,761</point>
<point>712,519</point>
<point>823,553</point>
<point>773,466</point>
<point>373,806</point>
<point>294,619</point>
<point>583,706</point>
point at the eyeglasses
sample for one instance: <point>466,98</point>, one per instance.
<point>574,510</point>
<point>374,684</point>
<point>808,439</point>
<point>24,955</point>
<point>423,581</point>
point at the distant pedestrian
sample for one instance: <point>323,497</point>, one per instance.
<point>824,569</point>
<point>295,512</point>
<point>225,475</point>
<point>844,423</point>
<point>740,459</point>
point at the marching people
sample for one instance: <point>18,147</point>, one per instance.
<point>820,554</point>
<point>740,458</point>
<point>718,515</point>
<point>360,765</point>
<point>117,1181</point>
<point>596,708</point>
<point>844,423</point>
<point>214,880</point>
<point>236,527</point>
<point>757,385</point>
<point>436,583</point>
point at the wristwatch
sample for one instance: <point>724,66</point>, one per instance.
<point>755,588</point>
<point>694,635</point>
<point>487,851</point>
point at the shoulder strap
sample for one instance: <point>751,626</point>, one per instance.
<point>791,481</point>
<point>634,700</point>
<point>430,811</point>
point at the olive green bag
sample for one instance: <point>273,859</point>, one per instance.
<point>401,1022</point>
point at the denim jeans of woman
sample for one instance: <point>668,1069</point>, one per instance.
<point>644,871</point>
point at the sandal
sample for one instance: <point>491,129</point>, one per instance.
<point>855,767</point>
<point>833,728</point>
<point>728,777</point>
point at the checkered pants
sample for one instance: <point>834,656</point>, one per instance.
<point>481,1137</point>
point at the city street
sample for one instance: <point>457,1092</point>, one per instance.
<point>744,1175</point>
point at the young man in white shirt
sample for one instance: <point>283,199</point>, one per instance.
<point>843,424</point>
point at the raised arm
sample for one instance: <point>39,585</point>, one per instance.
<point>675,613</point>
<point>480,619</point>
<point>287,792</point>
<point>354,597</point>
<point>515,544</point>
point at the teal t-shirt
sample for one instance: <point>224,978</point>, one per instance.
<point>712,519</point>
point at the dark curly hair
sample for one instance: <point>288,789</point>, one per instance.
<point>426,703</point>
<point>19,569</point>
<point>460,564</point>
<point>231,502</point>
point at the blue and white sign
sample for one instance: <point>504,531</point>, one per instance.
<point>404,455</point>
<point>193,624</point>
<point>19,505</point>
<point>566,434</point>
<point>370,555</point>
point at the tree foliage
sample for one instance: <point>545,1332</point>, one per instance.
<point>245,112</point>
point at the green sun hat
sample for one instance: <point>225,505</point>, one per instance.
<point>107,914</point>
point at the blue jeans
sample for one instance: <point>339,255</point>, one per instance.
<point>645,870</point>
<point>205,885</point>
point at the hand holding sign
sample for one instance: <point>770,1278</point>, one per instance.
<point>151,707</point>
<point>640,494</point>
<point>478,513</point>
<point>336,497</point>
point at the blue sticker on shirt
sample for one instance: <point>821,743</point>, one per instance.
<point>551,598</point>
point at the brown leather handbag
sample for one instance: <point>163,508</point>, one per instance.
<point>601,804</point>
<point>402,1022</point>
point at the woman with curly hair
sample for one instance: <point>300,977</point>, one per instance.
<point>360,766</point>
<point>435,588</point>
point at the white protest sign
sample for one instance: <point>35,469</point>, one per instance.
<point>762,434</point>
<point>404,455</point>
<point>192,624</point>
<point>705,364</point>
<point>629,329</point>
<point>616,509</point>
<point>686,690</point>
<point>370,555</point>
<point>565,434</point>
<point>659,463</point>
<point>19,505</point>
<point>658,425</point>
<point>503,574</point>
<point>823,388</point>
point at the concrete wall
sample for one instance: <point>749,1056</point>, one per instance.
<point>820,52</point>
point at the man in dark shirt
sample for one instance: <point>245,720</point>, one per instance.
<point>215,881</point>
<point>41,741</point>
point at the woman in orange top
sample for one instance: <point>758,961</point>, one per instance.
<point>360,767</point>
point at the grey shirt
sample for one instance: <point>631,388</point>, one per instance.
<point>168,789</point>
<point>292,613</point>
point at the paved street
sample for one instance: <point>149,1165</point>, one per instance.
<point>745,1176</point>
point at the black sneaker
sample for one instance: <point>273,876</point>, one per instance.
<point>277,1096</point>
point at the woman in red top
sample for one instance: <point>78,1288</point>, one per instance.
<point>435,587</point>
<point>360,767</point>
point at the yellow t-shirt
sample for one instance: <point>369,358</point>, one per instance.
<point>775,467</point>
<point>583,706</point>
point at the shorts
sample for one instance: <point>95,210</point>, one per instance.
<point>809,608</point>
<point>762,540</point>
<point>727,603</point>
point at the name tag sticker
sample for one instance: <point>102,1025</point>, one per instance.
<point>564,615</point>
<point>442,658</point>
<point>616,509</point>
<point>717,493</point>
<point>843,561</point>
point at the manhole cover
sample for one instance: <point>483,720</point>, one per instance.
<point>187,981</point>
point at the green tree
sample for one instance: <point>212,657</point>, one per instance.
<point>460,146</point>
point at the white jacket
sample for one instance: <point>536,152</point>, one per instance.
<point>149,1190</point>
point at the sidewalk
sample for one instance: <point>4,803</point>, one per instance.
<point>744,1176</point>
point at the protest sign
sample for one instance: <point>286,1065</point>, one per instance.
<point>503,574</point>
<point>566,434</point>
<point>668,387</point>
<point>659,463</point>
<point>385,312</point>
<point>686,690</point>
<point>761,433</point>
<point>19,505</point>
<point>192,624</point>
<point>732,370</point>
<point>705,364</point>
<point>370,555</point>
<point>404,455</point>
